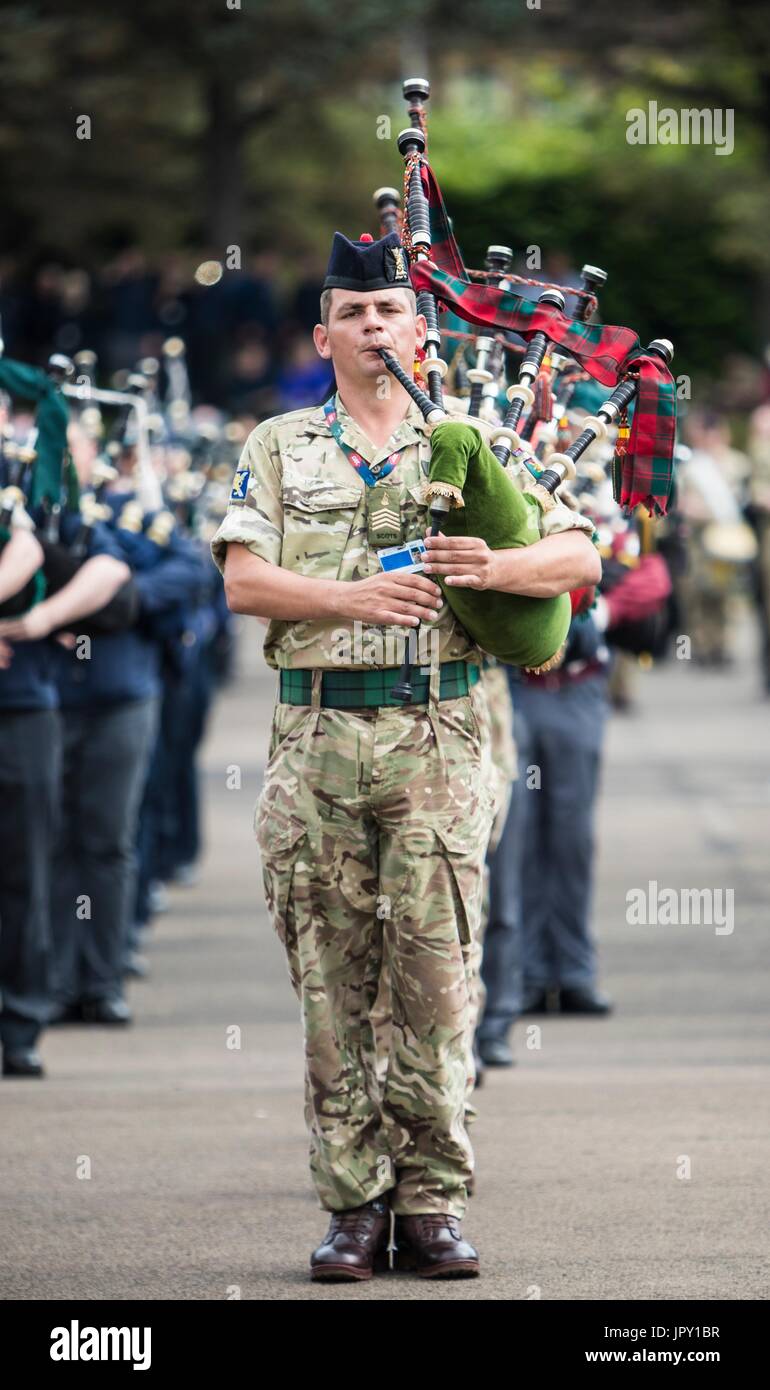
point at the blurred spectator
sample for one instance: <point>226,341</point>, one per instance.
<point>304,376</point>
<point>304,305</point>
<point>251,375</point>
<point>250,299</point>
<point>758,512</point>
<point>78,326</point>
<point>712,485</point>
<point>129,290</point>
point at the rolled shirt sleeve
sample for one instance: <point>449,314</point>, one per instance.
<point>562,518</point>
<point>558,516</point>
<point>254,515</point>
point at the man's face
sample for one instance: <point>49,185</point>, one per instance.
<point>358,323</point>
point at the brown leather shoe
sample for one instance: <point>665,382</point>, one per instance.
<point>356,1243</point>
<point>433,1245</point>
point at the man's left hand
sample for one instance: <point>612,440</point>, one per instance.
<point>463,561</point>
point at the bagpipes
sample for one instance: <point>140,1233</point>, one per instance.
<point>131,406</point>
<point>484,375</point>
<point>45,482</point>
<point>200,447</point>
<point>15,462</point>
<point>32,472</point>
<point>470,490</point>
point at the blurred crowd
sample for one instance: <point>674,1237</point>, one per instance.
<point>114,639</point>
<point>249,343</point>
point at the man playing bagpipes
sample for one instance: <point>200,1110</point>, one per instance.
<point>373,817</point>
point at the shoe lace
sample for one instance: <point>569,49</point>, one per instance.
<point>356,1222</point>
<point>433,1221</point>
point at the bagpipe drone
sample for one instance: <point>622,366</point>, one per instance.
<point>471,491</point>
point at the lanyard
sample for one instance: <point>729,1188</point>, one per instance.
<point>371,473</point>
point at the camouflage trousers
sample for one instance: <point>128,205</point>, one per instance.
<point>494,691</point>
<point>494,713</point>
<point>372,827</point>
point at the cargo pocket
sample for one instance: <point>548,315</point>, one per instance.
<point>318,517</point>
<point>280,841</point>
<point>286,726</point>
<point>465,860</point>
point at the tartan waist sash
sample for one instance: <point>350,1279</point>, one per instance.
<point>371,689</point>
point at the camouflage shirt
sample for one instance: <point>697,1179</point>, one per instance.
<point>298,502</point>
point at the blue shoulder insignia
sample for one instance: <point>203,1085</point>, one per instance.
<point>240,485</point>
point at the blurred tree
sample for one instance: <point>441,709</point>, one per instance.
<point>175,93</point>
<point>262,126</point>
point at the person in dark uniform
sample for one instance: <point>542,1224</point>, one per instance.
<point>169,823</point>
<point>110,707</point>
<point>174,615</point>
<point>30,769</point>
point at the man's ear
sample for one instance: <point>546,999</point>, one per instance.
<point>321,340</point>
<point>421,324</point>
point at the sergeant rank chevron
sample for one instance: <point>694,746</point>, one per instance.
<point>386,518</point>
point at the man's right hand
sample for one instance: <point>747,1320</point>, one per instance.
<point>403,599</point>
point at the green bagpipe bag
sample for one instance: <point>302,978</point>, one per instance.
<point>517,629</point>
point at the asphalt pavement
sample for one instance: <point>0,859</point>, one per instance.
<point>623,1157</point>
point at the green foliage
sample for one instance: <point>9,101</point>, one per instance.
<point>260,126</point>
<point>679,229</point>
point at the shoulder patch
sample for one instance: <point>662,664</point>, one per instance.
<point>240,485</point>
